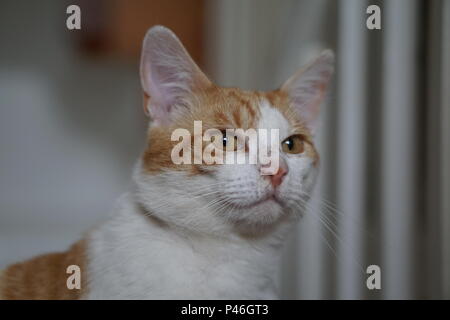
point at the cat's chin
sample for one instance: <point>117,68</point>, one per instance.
<point>263,219</point>
<point>268,201</point>
<point>265,212</point>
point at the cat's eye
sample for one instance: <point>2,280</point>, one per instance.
<point>230,143</point>
<point>294,144</point>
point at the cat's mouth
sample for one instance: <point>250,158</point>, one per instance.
<point>269,198</point>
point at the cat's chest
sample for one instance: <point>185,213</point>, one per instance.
<point>130,262</point>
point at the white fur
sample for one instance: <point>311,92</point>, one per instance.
<point>169,239</point>
<point>133,258</point>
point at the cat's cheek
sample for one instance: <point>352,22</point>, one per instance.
<point>310,176</point>
<point>300,180</point>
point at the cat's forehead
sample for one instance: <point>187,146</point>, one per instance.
<point>236,108</point>
<point>271,118</point>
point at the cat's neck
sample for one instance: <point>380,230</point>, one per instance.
<point>145,249</point>
<point>264,235</point>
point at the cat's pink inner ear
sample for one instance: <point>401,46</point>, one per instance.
<point>168,74</point>
<point>307,88</point>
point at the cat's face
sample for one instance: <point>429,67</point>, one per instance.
<point>214,197</point>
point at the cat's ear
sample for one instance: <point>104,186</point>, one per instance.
<point>168,74</point>
<point>307,88</point>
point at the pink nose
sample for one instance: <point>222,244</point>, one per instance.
<point>277,178</point>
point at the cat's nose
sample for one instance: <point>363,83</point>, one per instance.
<point>278,177</point>
<point>275,177</point>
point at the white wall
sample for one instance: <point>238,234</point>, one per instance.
<point>70,130</point>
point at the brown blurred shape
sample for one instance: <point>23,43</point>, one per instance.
<point>118,27</point>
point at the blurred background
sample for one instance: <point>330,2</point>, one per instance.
<point>71,127</point>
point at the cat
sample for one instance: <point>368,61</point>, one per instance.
<point>194,231</point>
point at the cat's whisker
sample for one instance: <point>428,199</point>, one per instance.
<point>326,221</point>
<point>334,211</point>
<point>332,232</point>
<point>328,245</point>
<point>224,205</point>
<point>211,204</point>
<point>331,210</point>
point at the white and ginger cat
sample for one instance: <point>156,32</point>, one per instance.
<point>194,231</point>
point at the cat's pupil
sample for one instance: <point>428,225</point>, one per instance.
<point>290,143</point>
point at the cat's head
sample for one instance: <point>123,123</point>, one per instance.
<point>216,197</point>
